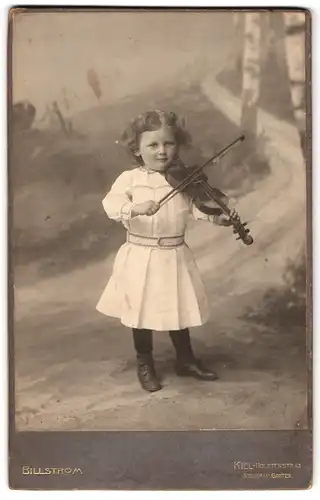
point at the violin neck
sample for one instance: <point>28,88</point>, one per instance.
<point>210,192</point>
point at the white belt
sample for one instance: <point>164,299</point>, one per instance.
<point>157,242</point>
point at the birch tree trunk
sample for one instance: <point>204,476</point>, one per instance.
<point>278,37</point>
<point>238,23</point>
<point>266,38</point>
<point>251,68</point>
<point>295,26</point>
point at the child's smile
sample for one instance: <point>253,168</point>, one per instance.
<point>157,148</point>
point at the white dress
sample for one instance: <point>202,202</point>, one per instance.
<point>154,288</point>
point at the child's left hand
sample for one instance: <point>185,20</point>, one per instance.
<point>226,220</point>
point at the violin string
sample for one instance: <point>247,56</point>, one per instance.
<point>180,187</point>
<point>209,191</point>
<point>185,183</point>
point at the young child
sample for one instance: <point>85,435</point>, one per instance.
<point>155,284</point>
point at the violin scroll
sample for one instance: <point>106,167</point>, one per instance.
<point>243,232</point>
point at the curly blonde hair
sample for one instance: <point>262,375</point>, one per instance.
<point>153,120</point>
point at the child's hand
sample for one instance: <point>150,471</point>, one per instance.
<point>226,220</point>
<point>146,208</point>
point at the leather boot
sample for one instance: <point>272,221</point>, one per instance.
<point>142,339</point>
<point>147,374</point>
<point>186,364</point>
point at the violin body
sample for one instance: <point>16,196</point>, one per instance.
<point>177,172</point>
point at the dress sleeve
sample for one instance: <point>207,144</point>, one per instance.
<point>118,202</point>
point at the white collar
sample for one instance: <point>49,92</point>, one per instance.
<point>149,170</point>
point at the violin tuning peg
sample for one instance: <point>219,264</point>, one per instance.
<point>245,224</point>
<point>238,238</point>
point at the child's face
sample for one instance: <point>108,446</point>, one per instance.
<point>157,148</point>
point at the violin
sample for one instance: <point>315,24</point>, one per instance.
<point>196,190</point>
<point>208,199</point>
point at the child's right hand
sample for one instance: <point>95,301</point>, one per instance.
<point>146,208</point>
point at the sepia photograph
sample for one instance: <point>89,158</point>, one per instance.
<point>160,220</point>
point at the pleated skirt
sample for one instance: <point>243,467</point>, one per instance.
<point>157,289</point>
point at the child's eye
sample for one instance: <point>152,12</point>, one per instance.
<point>153,145</point>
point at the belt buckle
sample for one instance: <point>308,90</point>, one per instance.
<point>159,242</point>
